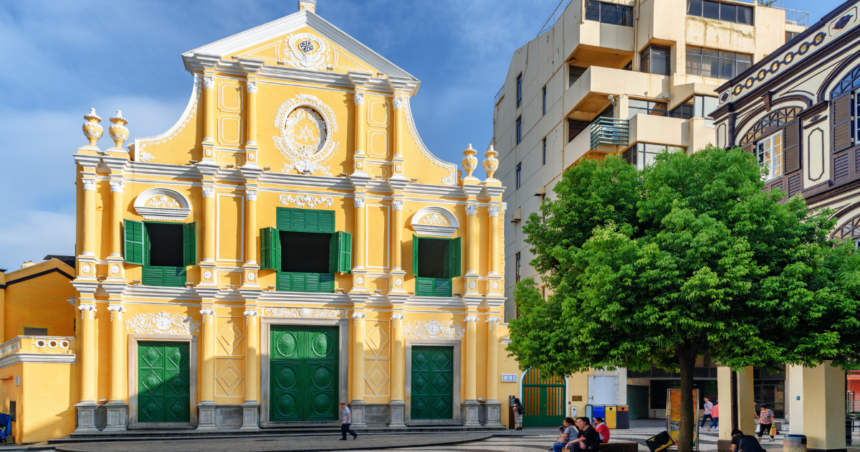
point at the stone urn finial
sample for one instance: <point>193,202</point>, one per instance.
<point>118,131</point>
<point>470,162</point>
<point>491,163</point>
<point>92,129</point>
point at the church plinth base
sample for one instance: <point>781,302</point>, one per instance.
<point>493,414</point>
<point>250,417</point>
<point>398,414</point>
<point>86,414</point>
<point>206,416</point>
<point>117,416</point>
<point>470,410</point>
<point>359,410</point>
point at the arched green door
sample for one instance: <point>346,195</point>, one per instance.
<point>543,398</point>
<point>303,373</point>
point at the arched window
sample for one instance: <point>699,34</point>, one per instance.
<point>774,119</point>
<point>849,230</point>
<point>851,81</point>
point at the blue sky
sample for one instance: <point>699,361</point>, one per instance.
<point>63,57</point>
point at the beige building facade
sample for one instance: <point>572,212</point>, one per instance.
<point>628,77</point>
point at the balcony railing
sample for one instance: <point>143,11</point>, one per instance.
<point>499,95</point>
<point>559,10</point>
<point>610,131</point>
<point>792,16</point>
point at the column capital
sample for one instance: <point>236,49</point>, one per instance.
<point>208,82</point>
<point>208,192</point>
<point>358,203</point>
<point>471,210</point>
<point>117,308</point>
<point>89,184</point>
<point>252,87</point>
<point>252,195</point>
<point>358,98</point>
<point>493,322</point>
<point>117,186</point>
<point>397,205</point>
<point>494,211</point>
<point>87,308</point>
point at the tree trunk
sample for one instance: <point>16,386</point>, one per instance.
<point>688,421</point>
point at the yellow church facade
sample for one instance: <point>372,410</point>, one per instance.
<point>289,244</point>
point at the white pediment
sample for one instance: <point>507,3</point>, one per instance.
<point>435,222</point>
<point>286,25</point>
<point>162,204</point>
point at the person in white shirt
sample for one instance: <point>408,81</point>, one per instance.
<point>708,407</point>
<point>347,422</point>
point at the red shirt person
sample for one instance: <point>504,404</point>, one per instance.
<point>602,429</point>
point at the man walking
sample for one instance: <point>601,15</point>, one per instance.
<point>708,407</point>
<point>347,422</point>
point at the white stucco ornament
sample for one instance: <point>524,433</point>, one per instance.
<point>307,313</point>
<point>307,51</point>
<point>162,323</point>
<point>306,128</point>
<point>207,274</point>
<point>163,204</point>
<point>435,222</point>
<point>432,329</point>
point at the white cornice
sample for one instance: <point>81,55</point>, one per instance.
<point>434,190</point>
<point>288,298</point>
<point>162,169</point>
<point>434,302</point>
<point>281,27</point>
<point>296,180</point>
<point>38,358</point>
<point>166,293</point>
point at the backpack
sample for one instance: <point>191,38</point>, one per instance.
<point>521,409</point>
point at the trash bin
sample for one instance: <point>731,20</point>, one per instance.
<point>794,443</point>
<point>610,416</point>
<point>588,410</point>
<point>598,411</point>
<point>623,417</point>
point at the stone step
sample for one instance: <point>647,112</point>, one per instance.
<point>160,435</point>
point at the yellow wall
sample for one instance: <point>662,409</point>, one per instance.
<point>40,302</point>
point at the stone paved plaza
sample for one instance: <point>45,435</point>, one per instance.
<point>507,441</point>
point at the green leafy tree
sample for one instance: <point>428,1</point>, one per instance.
<point>686,258</point>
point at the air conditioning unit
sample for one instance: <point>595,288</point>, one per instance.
<point>517,216</point>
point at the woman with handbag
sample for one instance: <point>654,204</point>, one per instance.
<point>765,423</point>
<point>519,409</point>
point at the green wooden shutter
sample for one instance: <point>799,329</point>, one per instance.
<point>284,219</point>
<point>312,222</point>
<point>312,282</point>
<point>133,231</point>
<point>300,282</point>
<point>276,250</point>
<point>415,256</point>
<point>298,221</point>
<point>424,286</point>
<point>326,283</point>
<point>189,242</point>
<point>147,246</point>
<point>333,252</point>
<point>174,276</point>
<point>454,258</point>
<point>326,221</point>
<point>269,237</point>
<point>344,251</point>
<point>153,276</point>
<point>442,287</point>
<point>284,282</point>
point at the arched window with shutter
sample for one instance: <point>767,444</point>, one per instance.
<point>849,230</point>
<point>775,140</point>
<point>845,126</point>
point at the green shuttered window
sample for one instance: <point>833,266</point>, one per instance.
<point>312,222</point>
<point>138,251</point>
<point>435,286</point>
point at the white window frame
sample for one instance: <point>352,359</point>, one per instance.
<point>856,114</point>
<point>775,163</point>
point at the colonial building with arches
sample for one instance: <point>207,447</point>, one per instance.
<point>797,111</point>
<point>290,243</point>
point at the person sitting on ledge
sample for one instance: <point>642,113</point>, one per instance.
<point>602,429</point>
<point>744,443</point>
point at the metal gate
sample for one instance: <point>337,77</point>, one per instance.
<point>544,400</point>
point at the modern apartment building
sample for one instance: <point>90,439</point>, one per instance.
<point>629,77</point>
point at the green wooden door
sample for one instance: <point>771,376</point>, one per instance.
<point>432,383</point>
<point>164,382</point>
<point>637,399</point>
<point>303,373</point>
<point>543,399</point>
